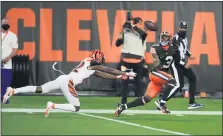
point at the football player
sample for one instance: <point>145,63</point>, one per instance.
<point>182,69</point>
<point>163,55</point>
<point>89,66</point>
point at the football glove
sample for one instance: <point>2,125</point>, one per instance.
<point>131,74</point>
<point>122,77</point>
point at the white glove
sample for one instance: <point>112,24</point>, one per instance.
<point>131,74</point>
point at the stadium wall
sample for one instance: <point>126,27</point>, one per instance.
<point>67,31</point>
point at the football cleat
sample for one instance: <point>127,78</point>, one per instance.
<point>119,110</point>
<point>8,94</point>
<point>162,107</point>
<point>49,107</point>
<point>195,106</point>
<point>157,102</point>
<point>118,104</point>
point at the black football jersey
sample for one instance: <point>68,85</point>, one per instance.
<point>166,56</point>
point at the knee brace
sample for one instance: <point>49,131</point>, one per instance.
<point>146,99</point>
<point>77,108</point>
<point>172,82</point>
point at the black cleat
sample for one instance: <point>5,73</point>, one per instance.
<point>119,110</point>
<point>162,107</point>
<point>118,104</point>
<point>195,106</point>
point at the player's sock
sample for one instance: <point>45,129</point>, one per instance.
<point>135,103</point>
<point>25,89</point>
<point>167,91</point>
<point>162,102</point>
<point>138,102</point>
<point>67,107</point>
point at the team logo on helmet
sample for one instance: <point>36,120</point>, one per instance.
<point>98,56</point>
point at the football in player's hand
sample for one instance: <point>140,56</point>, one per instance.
<point>150,25</point>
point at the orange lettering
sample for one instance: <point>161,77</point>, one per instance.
<point>29,19</point>
<point>46,52</point>
<point>168,21</point>
<point>210,48</point>
<point>74,34</point>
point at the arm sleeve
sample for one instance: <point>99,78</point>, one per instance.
<point>142,33</point>
<point>119,42</point>
<point>174,43</point>
<point>105,75</point>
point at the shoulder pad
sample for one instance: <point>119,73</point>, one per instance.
<point>153,48</point>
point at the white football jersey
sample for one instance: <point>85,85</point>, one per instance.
<point>81,72</point>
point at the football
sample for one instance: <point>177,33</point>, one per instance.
<point>150,25</point>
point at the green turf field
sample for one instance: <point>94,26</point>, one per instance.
<point>64,123</point>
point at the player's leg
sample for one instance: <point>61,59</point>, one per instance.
<point>67,87</point>
<point>45,88</point>
<point>192,88</point>
<point>6,76</point>
<point>125,83</point>
<point>166,79</point>
<point>71,95</point>
<point>178,74</point>
<point>138,69</point>
<point>152,90</point>
<point>169,90</point>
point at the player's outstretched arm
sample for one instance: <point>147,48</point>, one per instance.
<point>156,61</point>
<point>107,70</point>
<point>109,76</point>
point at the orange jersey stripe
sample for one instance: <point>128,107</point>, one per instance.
<point>72,89</point>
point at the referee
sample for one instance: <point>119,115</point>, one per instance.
<point>133,41</point>
<point>182,69</point>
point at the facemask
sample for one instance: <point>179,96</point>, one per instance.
<point>5,27</point>
<point>164,43</point>
<point>182,34</point>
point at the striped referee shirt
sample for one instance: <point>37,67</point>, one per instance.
<point>182,47</point>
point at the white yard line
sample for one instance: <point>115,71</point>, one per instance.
<point>112,111</point>
<point>134,124</point>
<point>84,111</point>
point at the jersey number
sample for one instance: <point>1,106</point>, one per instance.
<point>169,60</point>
